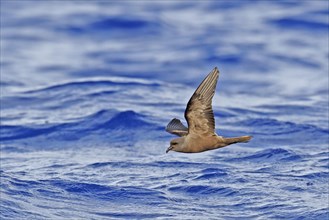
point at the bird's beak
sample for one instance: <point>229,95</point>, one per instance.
<point>169,149</point>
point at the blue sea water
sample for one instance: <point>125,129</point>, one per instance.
<point>87,88</point>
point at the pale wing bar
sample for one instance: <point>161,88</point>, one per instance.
<point>176,127</point>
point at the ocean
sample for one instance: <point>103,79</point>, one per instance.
<point>88,87</point>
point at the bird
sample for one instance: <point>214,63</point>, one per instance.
<point>200,135</point>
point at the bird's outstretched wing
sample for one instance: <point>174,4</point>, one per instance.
<point>199,114</point>
<point>176,127</point>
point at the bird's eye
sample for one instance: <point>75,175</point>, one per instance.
<point>174,143</point>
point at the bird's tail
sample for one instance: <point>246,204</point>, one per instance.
<point>234,140</point>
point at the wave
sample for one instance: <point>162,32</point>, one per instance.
<point>211,173</point>
<point>96,122</point>
<point>114,24</point>
<point>202,190</point>
<point>54,190</point>
<point>300,24</point>
<point>269,156</point>
<point>91,84</point>
<point>274,127</point>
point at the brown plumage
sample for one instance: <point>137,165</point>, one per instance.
<point>200,135</point>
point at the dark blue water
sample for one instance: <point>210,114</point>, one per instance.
<point>88,87</point>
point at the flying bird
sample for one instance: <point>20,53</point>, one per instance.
<point>200,135</point>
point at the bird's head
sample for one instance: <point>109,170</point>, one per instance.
<point>176,145</point>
